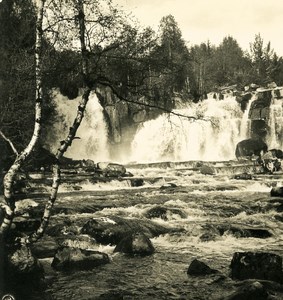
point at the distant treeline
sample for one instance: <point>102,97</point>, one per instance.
<point>134,62</point>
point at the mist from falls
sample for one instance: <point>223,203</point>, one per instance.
<point>92,141</point>
<point>210,132</point>
<point>213,135</point>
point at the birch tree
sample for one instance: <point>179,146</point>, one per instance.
<point>10,176</point>
<point>80,17</point>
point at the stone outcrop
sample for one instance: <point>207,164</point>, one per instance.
<point>256,265</point>
<point>165,213</point>
<point>68,258</point>
<point>112,229</point>
<point>199,268</point>
<point>250,147</point>
<point>123,117</point>
<point>135,244</point>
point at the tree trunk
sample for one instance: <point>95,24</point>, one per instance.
<point>72,131</point>
<point>20,159</point>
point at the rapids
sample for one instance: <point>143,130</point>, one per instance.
<point>209,203</point>
<point>218,209</point>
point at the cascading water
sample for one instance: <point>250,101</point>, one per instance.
<point>212,135</point>
<point>275,124</point>
<point>92,133</point>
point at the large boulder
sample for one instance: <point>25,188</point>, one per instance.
<point>135,244</point>
<point>199,268</point>
<point>250,147</point>
<point>23,272</point>
<point>256,265</point>
<point>277,191</point>
<point>68,258</point>
<point>250,291</point>
<point>112,229</point>
<point>111,169</point>
<point>45,247</point>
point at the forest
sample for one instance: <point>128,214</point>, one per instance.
<point>133,61</point>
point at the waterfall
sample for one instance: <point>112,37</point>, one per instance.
<point>92,133</point>
<point>275,124</point>
<point>213,135</point>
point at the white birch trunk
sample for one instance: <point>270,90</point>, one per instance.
<point>72,131</point>
<point>20,159</point>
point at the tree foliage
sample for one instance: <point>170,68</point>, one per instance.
<point>135,62</point>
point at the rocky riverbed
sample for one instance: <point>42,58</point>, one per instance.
<point>164,231</point>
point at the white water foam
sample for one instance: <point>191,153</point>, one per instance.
<point>92,133</point>
<point>275,124</point>
<point>212,136</point>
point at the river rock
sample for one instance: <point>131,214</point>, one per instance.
<point>135,244</point>
<point>243,176</point>
<point>136,182</point>
<point>112,229</point>
<point>111,169</point>
<point>25,224</point>
<point>25,206</point>
<point>277,191</point>
<point>23,272</point>
<point>277,153</point>
<point>45,247</point>
<point>250,147</point>
<point>164,213</point>
<point>257,265</point>
<point>79,241</point>
<point>249,291</point>
<point>68,258</point>
<point>243,231</point>
<point>207,170</point>
<point>199,268</point>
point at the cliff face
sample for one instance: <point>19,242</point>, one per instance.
<point>124,117</point>
<point>260,110</point>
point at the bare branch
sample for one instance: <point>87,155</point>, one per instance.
<point>10,142</point>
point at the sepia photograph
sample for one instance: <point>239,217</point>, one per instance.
<point>141,148</point>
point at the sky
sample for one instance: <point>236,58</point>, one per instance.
<point>203,20</point>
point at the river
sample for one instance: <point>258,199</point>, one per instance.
<point>218,209</point>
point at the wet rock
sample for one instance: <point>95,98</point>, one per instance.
<point>207,170</point>
<point>45,247</point>
<point>276,204</point>
<point>244,232</point>
<point>67,259</point>
<point>62,229</point>
<point>25,206</point>
<point>257,265</point>
<point>277,153</point>
<point>277,191</point>
<point>199,268</point>
<point>213,231</point>
<point>111,230</point>
<point>250,147</point>
<point>250,291</point>
<point>168,185</point>
<point>111,169</point>
<point>165,213</point>
<point>26,224</point>
<point>243,176</point>
<point>79,241</point>
<point>135,244</point>
<point>23,272</point>
<point>136,182</point>
<point>88,163</point>
<point>259,128</point>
